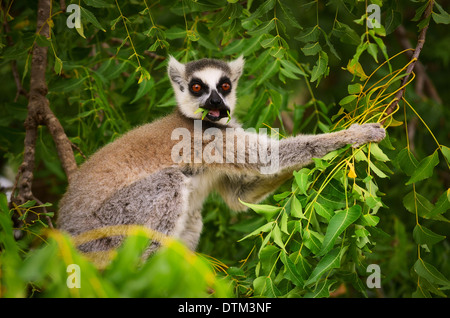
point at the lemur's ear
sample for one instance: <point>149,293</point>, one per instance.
<point>237,68</point>
<point>176,72</point>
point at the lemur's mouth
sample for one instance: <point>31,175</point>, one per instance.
<point>217,114</point>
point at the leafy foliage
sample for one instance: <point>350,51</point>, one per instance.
<point>311,67</point>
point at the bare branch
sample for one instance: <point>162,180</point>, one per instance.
<point>423,81</point>
<point>414,59</point>
<point>39,113</point>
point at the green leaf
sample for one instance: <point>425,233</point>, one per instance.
<point>97,3</point>
<point>270,71</point>
<point>323,211</point>
<point>413,202</point>
<point>373,51</point>
<point>264,228</point>
<point>301,178</point>
<point>354,88</point>
<point>175,33</point>
<point>338,223</point>
<point>288,65</point>
<point>370,220</point>
<point>312,240</point>
<point>419,12</point>
<point>268,211</point>
<point>407,162</point>
<point>296,208</point>
<point>327,263</point>
<point>204,112</point>
<point>42,258</point>
<point>422,235</point>
<point>302,265</point>
<point>378,153</point>
<point>291,272</point>
<point>442,204</point>
<point>309,35</point>
<point>377,171</point>
<point>357,70</point>
<point>322,289</point>
<point>359,50</point>
<point>288,73</point>
<point>90,17</point>
<point>346,34</point>
<point>392,21</point>
<point>271,41</point>
<point>278,52</point>
<point>276,235</point>
<point>288,15</point>
<point>430,273</point>
<point>446,152</point>
<point>311,49</point>
<point>425,168</point>
<point>348,99</point>
<point>263,28</point>
<point>144,87</point>
<point>264,8</point>
<point>421,293</point>
<point>280,196</point>
<point>321,67</point>
<point>250,46</point>
<point>330,45</point>
<point>11,248</point>
<point>442,17</point>
<point>333,196</point>
<point>231,11</point>
<point>264,286</point>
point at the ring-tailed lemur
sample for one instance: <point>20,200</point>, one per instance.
<point>140,179</point>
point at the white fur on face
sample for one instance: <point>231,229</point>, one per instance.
<point>189,104</point>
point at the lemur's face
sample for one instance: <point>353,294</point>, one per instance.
<point>208,84</point>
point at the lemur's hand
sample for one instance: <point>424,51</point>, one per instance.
<point>361,134</point>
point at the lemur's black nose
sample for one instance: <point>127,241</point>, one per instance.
<point>214,101</point>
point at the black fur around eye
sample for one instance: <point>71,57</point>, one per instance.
<point>224,86</point>
<point>197,87</point>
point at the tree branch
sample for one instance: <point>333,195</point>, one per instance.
<point>39,113</point>
<point>422,78</point>
<point>414,59</point>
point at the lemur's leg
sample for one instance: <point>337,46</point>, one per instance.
<point>158,202</point>
<point>292,154</point>
<point>190,234</point>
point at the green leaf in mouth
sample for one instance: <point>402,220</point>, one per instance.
<point>205,112</point>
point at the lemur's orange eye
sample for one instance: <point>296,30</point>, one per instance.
<point>226,86</point>
<point>196,87</point>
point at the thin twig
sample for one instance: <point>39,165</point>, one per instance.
<point>414,59</point>
<point>423,81</point>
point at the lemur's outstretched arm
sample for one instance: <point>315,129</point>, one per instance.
<point>293,153</point>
